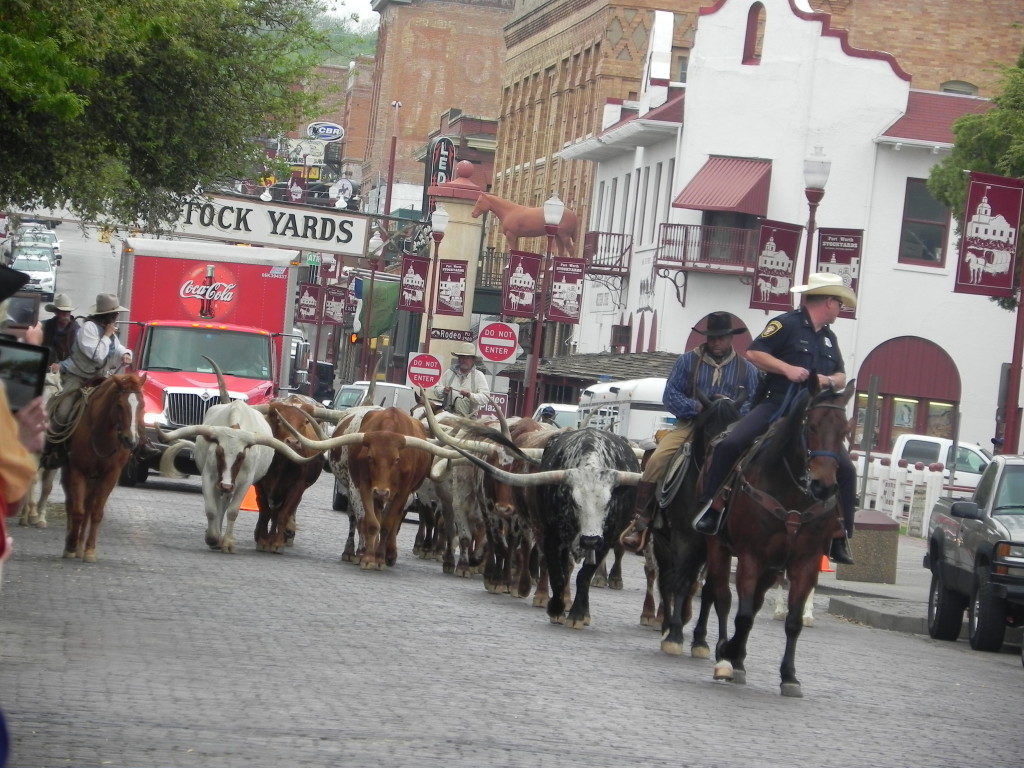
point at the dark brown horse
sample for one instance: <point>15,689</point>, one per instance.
<point>109,429</point>
<point>781,516</point>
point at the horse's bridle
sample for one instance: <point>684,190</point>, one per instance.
<point>121,440</point>
<point>826,454</point>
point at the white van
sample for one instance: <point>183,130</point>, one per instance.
<point>631,408</point>
<point>971,458</point>
<point>385,394</point>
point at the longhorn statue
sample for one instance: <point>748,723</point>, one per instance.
<point>519,221</point>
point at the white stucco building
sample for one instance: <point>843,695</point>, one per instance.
<point>686,174</point>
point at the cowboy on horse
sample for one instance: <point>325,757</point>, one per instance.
<point>791,349</point>
<point>95,353</point>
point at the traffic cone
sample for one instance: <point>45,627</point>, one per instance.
<point>826,566</point>
<point>249,502</point>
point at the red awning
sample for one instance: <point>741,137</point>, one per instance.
<point>729,184</point>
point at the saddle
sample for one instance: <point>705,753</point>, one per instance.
<point>674,474</point>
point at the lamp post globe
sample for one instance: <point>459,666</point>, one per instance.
<point>439,221</point>
<point>816,169</point>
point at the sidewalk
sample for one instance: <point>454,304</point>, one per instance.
<point>901,607</point>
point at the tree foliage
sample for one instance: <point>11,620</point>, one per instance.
<point>348,38</point>
<point>118,109</point>
<point>992,142</point>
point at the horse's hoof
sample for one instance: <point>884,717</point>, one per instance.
<point>724,670</point>
<point>792,690</point>
<point>780,616</point>
<point>289,542</point>
<point>599,581</point>
<point>576,623</point>
<point>739,676</point>
<point>649,621</point>
<point>700,651</point>
<point>446,568</point>
<point>808,621</point>
<point>228,547</point>
<point>40,524</point>
<point>346,557</point>
<point>70,553</point>
<point>614,583</point>
<point>503,589</point>
<point>89,557</point>
<point>490,587</point>
<point>560,619</point>
<point>540,602</point>
<point>379,565</point>
<point>23,521</point>
<point>366,565</point>
<point>672,648</point>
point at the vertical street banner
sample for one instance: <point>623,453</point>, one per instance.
<point>335,302</point>
<point>519,285</point>
<point>775,268</point>
<point>330,266</point>
<point>414,283</point>
<point>451,288</point>
<point>988,243</point>
<point>566,287</point>
<point>308,303</point>
<point>840,252</point>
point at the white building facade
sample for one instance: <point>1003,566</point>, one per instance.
<point>686,174</point>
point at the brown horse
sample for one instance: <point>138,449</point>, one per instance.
<point>519,221</point>
<point>109,430</point>
<point>782,515</point>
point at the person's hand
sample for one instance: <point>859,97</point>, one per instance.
<point>797,374</point>
<point>54,367</point>
<point>109,330</point>
<point>464,392</point>
<point>126,358</point>
<point>32,425</point>
<point>34,334</point>
<point>824,381</point>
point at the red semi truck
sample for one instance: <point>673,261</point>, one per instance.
<point>188,299</point>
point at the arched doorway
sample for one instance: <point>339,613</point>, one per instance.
<point>919,389</point>
<point>740,341</point>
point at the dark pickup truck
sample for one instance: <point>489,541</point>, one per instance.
<point>976,556</point>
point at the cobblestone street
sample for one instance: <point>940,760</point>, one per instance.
<point>168,654</point>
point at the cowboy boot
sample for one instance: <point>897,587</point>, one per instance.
<point>709,518</point>
<point>635,536</point>
<point>840,551</point>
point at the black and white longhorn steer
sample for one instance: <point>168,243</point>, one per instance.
<point>582,495</point>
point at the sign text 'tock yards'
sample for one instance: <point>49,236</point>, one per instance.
<point>244,220</point>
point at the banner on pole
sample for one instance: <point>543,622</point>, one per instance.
<point>451,288</point>
<point>777,245</point>
<point>840,252</point>
<point>414,283</point>
<point>519,286</point>
<point>567,276</point>
<point>988,245</point>
<point>335,301</point>
<point>308,303</point>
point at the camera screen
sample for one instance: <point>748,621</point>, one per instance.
<point>23,371</point>
<point>23,311</point>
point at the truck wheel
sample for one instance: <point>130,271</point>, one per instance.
<point>945,609</point>
<point>987,621</point>
<point>340,499</point>
<point>133,473</point>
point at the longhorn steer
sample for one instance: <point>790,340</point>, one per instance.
<point>582,498</point>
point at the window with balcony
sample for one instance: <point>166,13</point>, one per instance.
<point>925,227</point>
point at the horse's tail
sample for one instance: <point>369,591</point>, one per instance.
<point>225,398</point>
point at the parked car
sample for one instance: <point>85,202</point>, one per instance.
<point>45,238</point>
<point>385,394</point>
<point>971,458</point>
<point>41,274</point>
<point>33,251</point>
<point>566,414</point>
<point>976,556</point>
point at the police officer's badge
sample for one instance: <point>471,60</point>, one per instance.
<point>771,329</point>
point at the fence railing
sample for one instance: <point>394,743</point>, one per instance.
<point>608,253</point>
<point>699,248</point>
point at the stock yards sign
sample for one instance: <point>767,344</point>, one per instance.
<point>281,225</point>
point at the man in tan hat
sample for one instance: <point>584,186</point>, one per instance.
<point>59,331</point>
<point>95,353</point>
<point>715,369</point>
<point>789,348</point>
<point>463,387</point>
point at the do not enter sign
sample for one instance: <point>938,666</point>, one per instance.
<point>498,342</point>
<point>424,371</point>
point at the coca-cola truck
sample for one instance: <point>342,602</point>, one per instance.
<point>188,299</point>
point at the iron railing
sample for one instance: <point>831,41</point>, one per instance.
<point>491,266</point>
<point>698,248</point>
<point>608,253</point>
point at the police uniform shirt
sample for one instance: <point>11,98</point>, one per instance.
<point>792,339</point>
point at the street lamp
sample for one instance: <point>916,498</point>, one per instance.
<point>816,168</point>
<point>396,105</point>
<point>438,225</point>
<point>553,210</point>
<point>373,248</point>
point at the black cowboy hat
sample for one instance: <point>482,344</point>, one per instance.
<point>11,281</point>
<point>719,324</point>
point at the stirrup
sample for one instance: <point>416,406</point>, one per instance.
<point>708,520</point>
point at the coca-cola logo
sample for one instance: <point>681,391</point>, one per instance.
<point>215,292</point>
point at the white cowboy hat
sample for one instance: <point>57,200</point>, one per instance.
<point>60,303</point>
<point>464,349</point>
<point>827,284</point>
<point>105,304</point>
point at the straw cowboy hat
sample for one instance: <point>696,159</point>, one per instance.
<point>60,303</point>
<point>827,284</point>
<point>464,349</point>
<point>105,304</point>
<point>719,324</point>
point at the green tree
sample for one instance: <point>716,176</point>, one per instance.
<point>992,142</point>
<point>118,109</point>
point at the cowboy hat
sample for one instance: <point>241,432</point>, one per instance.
<point>105,304</point>
<point>827,284</point>
<point>719,324</point>
<point>11,281</point>
<point>464,349</point>
<point>60,303</point>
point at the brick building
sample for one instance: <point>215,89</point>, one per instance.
<point>431,55</point>
<point>356,118</point>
